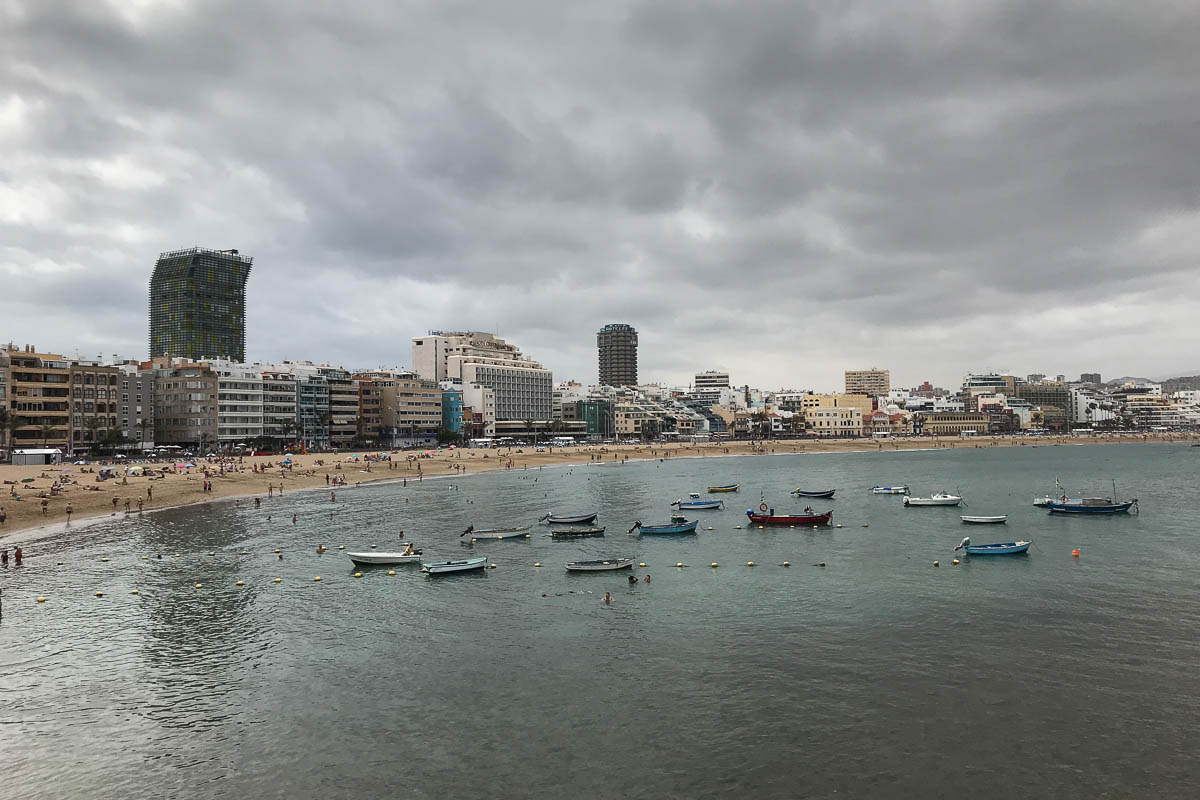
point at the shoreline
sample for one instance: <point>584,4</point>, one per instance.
<point>176,491</point>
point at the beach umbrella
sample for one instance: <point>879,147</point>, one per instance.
<point>189,465</point>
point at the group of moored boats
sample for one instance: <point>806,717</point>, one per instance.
<point>581,525</point>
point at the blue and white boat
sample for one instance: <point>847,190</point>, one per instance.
<point>1089,505</point>
<point>997,549</point>
<point>696,504</point>
<point>889,489</point>
<point>674,527</point>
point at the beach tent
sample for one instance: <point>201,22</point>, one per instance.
<point>136,470</point>
<point>37,456</point>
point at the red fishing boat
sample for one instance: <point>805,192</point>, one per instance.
<point>769,517</point>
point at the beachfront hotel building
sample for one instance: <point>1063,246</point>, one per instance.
<point>712,380</point>
<point>198,304</point>
<point>617,345</point>
<point>185,403</point>
<point>523,387</point>
<point>399,409</point>
<point>136,404</point>
<point>280,412</point>
<point>872,382</point>
<point>40,396</point>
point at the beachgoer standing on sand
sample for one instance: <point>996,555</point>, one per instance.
<point>70,511</point>
<point>17,555</point>
<point>3,515</point>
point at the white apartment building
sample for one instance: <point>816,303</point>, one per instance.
<point>239,401</point>
<point>481,400</point>
<point>712,380</point>
<point>523,388</point>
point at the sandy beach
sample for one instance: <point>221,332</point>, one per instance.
<point>30,498</point>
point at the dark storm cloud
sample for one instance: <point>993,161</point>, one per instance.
<point>780,189</point>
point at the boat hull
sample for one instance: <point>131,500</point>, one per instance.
<point>685,527</point>
<point>513,533</point>
<point>367,559</point>
<point>820,495</point>
<point>604,565</point>
<point>576,534</point>
<point>1074,508</point>
<point>998,549</point>
<point>1000,520</point>
<point>790,519</point>
<point>931,501</point>
<point>571,519</point>
<point>733,487</point>
<point>444,567</point>
<point>700,505</point>
<point>889,490</point>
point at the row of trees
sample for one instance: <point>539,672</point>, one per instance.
<point>112,439</point>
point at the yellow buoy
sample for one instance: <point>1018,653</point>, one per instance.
<point>538,564</point>
<point>341,547</point>
<point>838,525</point>
<point>372,547</point>
<point>244,552</point>
<point>317,579</point>
<point>99,594</point>
<point>814,527</point>
<point>641,563</point>
<point>391,572</point>
<point>527,536</point>
<point>787,563</point>
<point>212,554</point>
<point>865,526</point>
<point>41,599</point>
<point>135,591</point>
<point>239,583</point>
<point>760,527</point>
<point>679,563</point>
<point>473,540</point>
<point>737,527</point>
<point>491,566</point>
<point>144,558</point>
<point>749,563</point>
<point>424,570</point>
<point>714,565</point>
<point>278,580</point>
<point>358,574</point>
<point>791,526</point>
<point>937,563</point>
<point>276,549</point>
<point>104,559</point>
<point>955,562</point>
<point>199,585</point>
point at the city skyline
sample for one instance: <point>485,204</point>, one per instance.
<point>783,192</point>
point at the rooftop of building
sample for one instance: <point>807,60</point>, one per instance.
<point>232,254</point>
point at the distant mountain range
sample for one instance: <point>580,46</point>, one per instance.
<point>1169,385</point>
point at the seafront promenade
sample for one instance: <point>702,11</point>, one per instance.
<point>260,476</point>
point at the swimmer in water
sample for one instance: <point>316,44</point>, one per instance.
<point>647,578</point>
<point>633,579</point>
<point>320,549</point>
<point>607,599</point>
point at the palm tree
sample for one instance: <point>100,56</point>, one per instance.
<point>47,431</point>
<point>287,428</point>
<point>143,423</point>
<point>11,424</point>
<point>92,424</point>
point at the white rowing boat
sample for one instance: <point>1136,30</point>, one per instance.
<point>496,533</point>
<point>600,566</point>
<point>977,520</point>
<point>385,558</point>
<point>462,565</point>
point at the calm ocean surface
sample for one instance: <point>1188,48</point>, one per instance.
<point>878,676</point>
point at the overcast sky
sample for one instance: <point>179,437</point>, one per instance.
<point>781,190</point>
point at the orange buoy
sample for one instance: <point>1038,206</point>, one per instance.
<point>1075,553</point>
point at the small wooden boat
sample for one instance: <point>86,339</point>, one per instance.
<point>601,565</point>
<point>998,549</point>
<point>733,487</point>
<point>462,565</point>
<point>769,517</point>
<point>1042,502</point>
<point>674,527</point>
<point>937,499</point>
<point>976,520</point>
<point>576,533</point>
<point>699,505</point>
<point>889,489</point>
<point>496,533</point>
<point>823,494</point>
<point>570,519</point>
<point>375,557</point>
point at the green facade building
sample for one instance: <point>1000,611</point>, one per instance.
<point>198,304</point>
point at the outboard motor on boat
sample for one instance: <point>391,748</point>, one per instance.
<point>966,541</point>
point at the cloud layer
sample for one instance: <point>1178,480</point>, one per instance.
<point>784,190</point>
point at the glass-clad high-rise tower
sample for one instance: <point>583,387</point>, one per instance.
<point>617,345</point>
<point>198,304</point>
